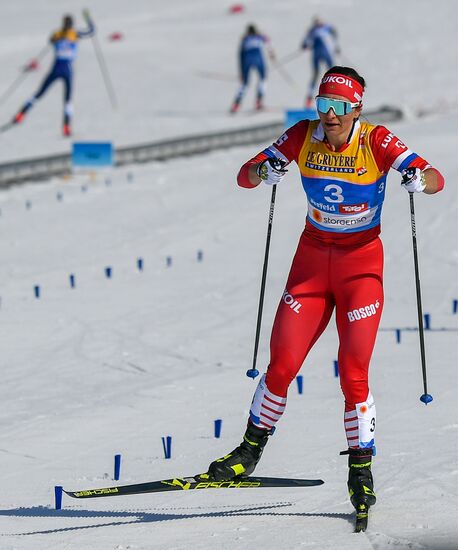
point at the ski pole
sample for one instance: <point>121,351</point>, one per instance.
<point>213,75</point>
<point>426,397</point>
<point>102,64</point>
<point>286,77</point>
<point>253,372</point>
<point>24,72</point>
<point>290,57</point>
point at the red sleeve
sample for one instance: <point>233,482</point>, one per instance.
<point>242,179</point>
<point>287,148</point>
<point>390,152</point>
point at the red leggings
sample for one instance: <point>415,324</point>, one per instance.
<point>323,276</point>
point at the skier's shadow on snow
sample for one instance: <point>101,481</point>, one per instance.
<point>133,516</point>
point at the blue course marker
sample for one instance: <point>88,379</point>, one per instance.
<point>167,445</point>
<point>300,383</point>
<point>218,423</point>
<point>427,319</point>
<point>58,497</point>
<point>117,467</point>
<point>336,369</point>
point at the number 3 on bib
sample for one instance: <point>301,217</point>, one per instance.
<point>334,193</point>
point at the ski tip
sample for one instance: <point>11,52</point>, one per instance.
<point>362,516</point>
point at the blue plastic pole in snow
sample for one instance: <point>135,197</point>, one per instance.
<point>117,467</point>
<point>58,497</point>
<point>427,318</point>
<point>336,369</point>
<point>167,445</point>
<point>218,424</point>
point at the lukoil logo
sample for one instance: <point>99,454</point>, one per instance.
<point>291,302</point>
<point>338,80</point>
<point>363,312</point>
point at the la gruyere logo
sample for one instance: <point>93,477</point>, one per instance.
<point>330,163</point>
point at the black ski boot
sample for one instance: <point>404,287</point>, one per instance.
<point>360,481</point>
<point>360,484</point>
<point>243,460</point>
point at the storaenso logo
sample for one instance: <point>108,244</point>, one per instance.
<point>363,312</point>
<point>291,302</point>
<point>344,221</point>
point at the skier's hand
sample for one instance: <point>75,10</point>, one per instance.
<point>413,180</point>
<point>271,171</point>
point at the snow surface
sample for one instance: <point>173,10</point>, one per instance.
<point>113,365</point>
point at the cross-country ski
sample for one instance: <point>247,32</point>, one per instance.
<point>194,483</point>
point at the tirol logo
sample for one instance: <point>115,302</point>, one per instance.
<point>353,208</point>
<point>363,312</point>
<point>361,171</point>
<point>337,80</point>
<point>291,302</point>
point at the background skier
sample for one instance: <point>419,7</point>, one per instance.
<point>321,39</point>
<point>64,42</point>
<point>252,59</point>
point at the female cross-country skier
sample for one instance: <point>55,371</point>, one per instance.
<point>252,59</point>
<point>338,265</point>
<point>64,42</point>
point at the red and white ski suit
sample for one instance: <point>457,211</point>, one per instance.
<point>338,265</point>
